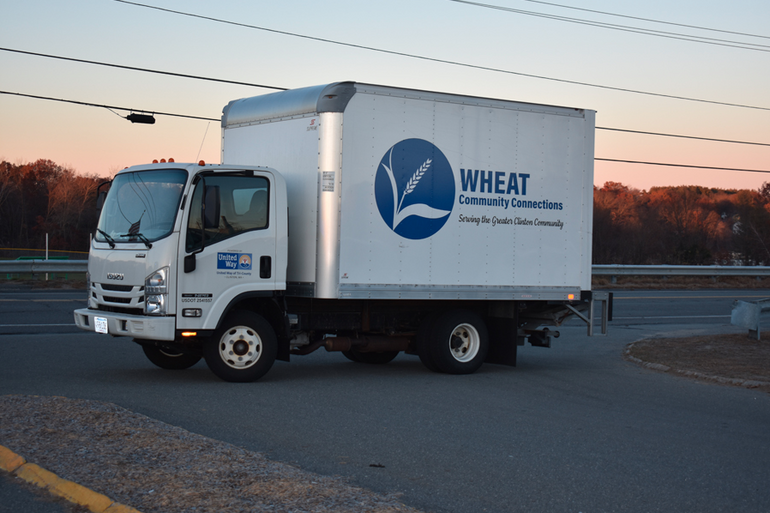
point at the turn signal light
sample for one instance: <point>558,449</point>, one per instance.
<point>189,333</point>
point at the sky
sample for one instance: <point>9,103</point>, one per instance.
<point>503,53</point>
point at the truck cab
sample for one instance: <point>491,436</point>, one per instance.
<point>177,247</point>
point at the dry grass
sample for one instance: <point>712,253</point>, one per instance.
<point>729,359</point>
<point>680,282</point>
<point>155,467</point>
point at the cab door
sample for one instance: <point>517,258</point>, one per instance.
<point>228,246</point>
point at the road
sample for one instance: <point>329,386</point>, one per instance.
<point>571,428</point>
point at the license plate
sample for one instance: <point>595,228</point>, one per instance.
<point>100,324</point>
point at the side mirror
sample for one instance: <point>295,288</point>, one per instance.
<point>100,200</point>
<point>211,206</point>
<point>189,263</point>
<point>101,195</point>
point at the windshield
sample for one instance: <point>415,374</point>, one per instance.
<point>141,206</point>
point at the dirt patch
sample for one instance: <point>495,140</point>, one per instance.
<point>728,359</point>
<point>155,467</point>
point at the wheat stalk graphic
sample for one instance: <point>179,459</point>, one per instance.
<point>413,181</point>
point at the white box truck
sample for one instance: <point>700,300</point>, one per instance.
<point>359,218</point>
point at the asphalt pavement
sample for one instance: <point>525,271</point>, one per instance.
<point>16,496</point>
<point>571,428</point>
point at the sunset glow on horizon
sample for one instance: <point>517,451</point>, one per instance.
<point>444,45</point>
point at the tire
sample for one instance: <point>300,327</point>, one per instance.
<point>371,358</point>
<point>242,349</point>
<point>170,360</point>
<point>459,342</point>
<point>424,342</point>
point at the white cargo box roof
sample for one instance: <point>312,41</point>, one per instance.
<point>399,193</point>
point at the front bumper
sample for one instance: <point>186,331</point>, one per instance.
<point>126,325</point>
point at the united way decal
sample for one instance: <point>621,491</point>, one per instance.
<point>234,261</point>
<point>414,188</point>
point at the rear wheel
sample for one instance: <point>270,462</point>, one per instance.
<point>424,342</point>
<point>372,358</point>
<point>459,342</point>
<point>243,349</point>
<point>171,360</point>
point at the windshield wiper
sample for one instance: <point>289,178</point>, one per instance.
<point>140,237</point>
<point>110,240</point>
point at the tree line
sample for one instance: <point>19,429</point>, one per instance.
<point>42,198</point>
<point>686,225</point>
<point>665,225</point>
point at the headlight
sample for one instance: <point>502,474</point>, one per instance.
<point>157,282</point>
<point>156,292</point>
<point>155,304</point>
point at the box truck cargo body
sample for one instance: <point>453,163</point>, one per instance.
<point>450,227</point>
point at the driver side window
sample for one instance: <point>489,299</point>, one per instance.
<point>243,206</point>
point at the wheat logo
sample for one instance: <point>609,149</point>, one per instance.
<point>414,188</point>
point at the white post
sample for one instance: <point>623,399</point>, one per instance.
<point>46,253</point>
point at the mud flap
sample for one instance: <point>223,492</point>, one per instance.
<point>503,341</point>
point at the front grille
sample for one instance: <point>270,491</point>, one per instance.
<point>120,309</point>
<point>122,300</point>
<point>117,288</point>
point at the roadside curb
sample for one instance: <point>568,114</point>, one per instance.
<point>745,383</point>
<point>68,490</point>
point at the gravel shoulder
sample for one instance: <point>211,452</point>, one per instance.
<point>156,467</point>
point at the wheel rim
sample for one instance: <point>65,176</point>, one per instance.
<point>464,343</point>
<point>240,347</point>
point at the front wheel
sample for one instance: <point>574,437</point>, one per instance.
<point>242,349</point>
<point>459,342</point>
<point>170,360</point>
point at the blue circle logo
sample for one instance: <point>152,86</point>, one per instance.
<point>414,188</point>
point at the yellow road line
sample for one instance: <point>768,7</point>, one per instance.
<point>69,490</point>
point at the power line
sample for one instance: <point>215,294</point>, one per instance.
<point>108,107</point>
<point>650,20</point>
<point>145,70</point>
<point>732,141</point>
<point>682,165</point>
<point>626,28</point>
<point>215,119</point>
<point>625,130</point>
<point>444,61</point>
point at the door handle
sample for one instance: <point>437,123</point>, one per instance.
<point>265,267</point>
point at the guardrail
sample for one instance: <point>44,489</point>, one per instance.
<point>81,266</point>
<point>43,266</point>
